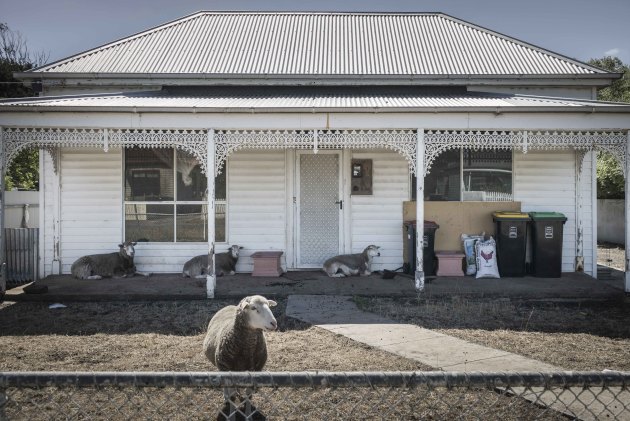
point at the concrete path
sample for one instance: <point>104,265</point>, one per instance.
<point>340,315</point>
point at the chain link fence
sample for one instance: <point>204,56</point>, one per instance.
<point>314,395</point>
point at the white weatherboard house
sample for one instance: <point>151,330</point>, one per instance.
<point>309,131</point>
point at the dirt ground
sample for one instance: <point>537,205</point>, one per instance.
<point>162,336</point>
<point>571,335</point>
<point>167,336</point>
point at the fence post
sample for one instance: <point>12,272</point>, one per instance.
<point>3,402</point>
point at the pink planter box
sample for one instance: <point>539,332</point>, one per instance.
<point>267,263</point>
<point>449,263</point>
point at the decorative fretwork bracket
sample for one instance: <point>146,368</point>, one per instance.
<point>439,141</point>
<point>15,140</point>
<point>229,141</point>
<point>193,142</point>
<point>403,141</point>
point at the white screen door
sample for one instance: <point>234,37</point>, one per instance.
<point>319,207</point>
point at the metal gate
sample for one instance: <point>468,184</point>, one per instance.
<point>22,255</point>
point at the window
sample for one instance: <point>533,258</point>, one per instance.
<point>469,175</point>
<point>166,197</point>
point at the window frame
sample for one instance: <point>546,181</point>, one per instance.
<point>462,187</point>
<point>174,203</point>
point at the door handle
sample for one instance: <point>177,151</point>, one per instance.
<point>340,203</point>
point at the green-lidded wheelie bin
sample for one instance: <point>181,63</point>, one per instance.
<point>511,237</point>
<point>428,247</point>
<point>547,230</point>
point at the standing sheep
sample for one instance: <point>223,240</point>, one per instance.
<point>98,266</point>
<point>235,342</point>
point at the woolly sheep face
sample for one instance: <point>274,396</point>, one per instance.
<point>259,312</point>
<point>373,251</point>
<point>235,250</point>
<point>128,248</point>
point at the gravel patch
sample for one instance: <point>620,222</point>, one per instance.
<point>611,255</point>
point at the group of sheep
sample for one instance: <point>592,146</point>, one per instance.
<point>234,339</point>
<point>120,264</point>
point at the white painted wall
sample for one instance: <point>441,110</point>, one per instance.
<point>91,203</point>
<point>377,219</point>
<point>545,181</point>
<point>92,213</point>
<point>257,199</point>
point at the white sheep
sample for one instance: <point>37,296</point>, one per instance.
<point>97,266</point>
<point>224,263</point>
<point>235,342</point>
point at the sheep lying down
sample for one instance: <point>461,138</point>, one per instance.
<point>224,264</point>
<point>98,266</point>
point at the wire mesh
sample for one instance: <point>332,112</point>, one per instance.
<point>315,395</point>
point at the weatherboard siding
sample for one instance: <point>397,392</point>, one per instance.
<point>257,198</point>
<point>545,181</point>
<point>377,219</point>
<point>91,199</point>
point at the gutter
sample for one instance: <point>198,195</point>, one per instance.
<point>620,109</point>
<point>121,79</point>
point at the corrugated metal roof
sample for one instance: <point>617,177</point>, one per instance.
<point>299,99</point>
<point>295,43</point>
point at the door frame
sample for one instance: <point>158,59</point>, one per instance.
<point>296,216</point>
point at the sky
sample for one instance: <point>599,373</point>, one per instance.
<point>580,29</point>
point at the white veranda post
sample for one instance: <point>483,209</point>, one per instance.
<point>627,214</point>
<point>419,276</point>
<point>3,158</point>
<point>211,280</point>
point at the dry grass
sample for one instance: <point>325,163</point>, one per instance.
<point>162,336</point>
<point>573,336</point>
<point>167,336</point>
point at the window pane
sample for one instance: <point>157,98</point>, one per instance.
<point>149,222</point>
<point>191,182</point>
<point>220,185</point>
<point>443,180</point>
<point>192,223</point>
<point>219,221</point>
<point>487,175</point>
<point>149,174</point>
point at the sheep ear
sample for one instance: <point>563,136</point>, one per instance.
<point>241,248</point>
<point>120,245</point>
<point>272,303</point>
<point>134,243</point>
<point>244,303</point>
